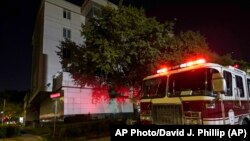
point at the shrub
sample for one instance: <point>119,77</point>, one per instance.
<point>7,131</point>
<point>90,129</point>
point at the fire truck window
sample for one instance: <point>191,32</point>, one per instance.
<point>154,88</point>
<point>239,84</point>
<point>248,86</point>
<point>228,77</point>
<point>194,82</point>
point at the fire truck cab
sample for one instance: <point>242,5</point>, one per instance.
<point>196,92</point>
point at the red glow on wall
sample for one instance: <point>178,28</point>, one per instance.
<point>101,93</point>
<point>124,94</point>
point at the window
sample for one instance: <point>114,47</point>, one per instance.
<point>94,11</point>
<point>239,84</point>
<point>248,86</point>
<point>228,77</point>
<point>66,56</point>
<point>66,14</point>
<point>66,33</point>
<point>197,82</point>
<point>154,88</point>
<point>66,53</point>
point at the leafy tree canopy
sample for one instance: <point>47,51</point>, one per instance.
<point>122,46</point>
<point>12,111</point>
<point>11,104</point>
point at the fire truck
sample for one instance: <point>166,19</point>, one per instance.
<point>196,93</point>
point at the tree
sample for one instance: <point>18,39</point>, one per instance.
<point>121,47</point>
<point>185,46</point>
<point>225,60</point>
<point>11,103</point>
<point>12,110</point>
<point>192,45</point>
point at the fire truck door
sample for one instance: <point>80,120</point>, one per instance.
<point>237,97</point>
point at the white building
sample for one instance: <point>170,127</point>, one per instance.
<point>57,20</point>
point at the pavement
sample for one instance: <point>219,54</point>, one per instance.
<point>30,137</point>
<point>100,139</point>
<point>24,137</point>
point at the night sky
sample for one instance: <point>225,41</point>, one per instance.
<point>225,25</point>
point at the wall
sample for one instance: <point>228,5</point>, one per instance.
<point>53,33</point>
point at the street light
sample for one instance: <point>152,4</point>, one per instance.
<point>2,116</point>
<point>2,112</point>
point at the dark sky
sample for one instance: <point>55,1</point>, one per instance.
<point>16,25</point>
<point>225,25</point>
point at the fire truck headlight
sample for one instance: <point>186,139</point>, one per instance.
<point>145,117</point>
<point>210,105</point>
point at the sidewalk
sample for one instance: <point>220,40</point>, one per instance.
<point>100,139</point>
<point>24,137</point>
<point>29,137</point>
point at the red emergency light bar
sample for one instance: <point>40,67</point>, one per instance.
<point>55,95</point>
<point>191,63</point>
<point>162,70</point>
<point>188,64</point>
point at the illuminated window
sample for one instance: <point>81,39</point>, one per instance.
<point>66,14</point>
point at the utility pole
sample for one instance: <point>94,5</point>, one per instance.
<point>55,97</point>
<point>55,114</point>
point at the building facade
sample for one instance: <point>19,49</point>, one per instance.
<point>57,20</point>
